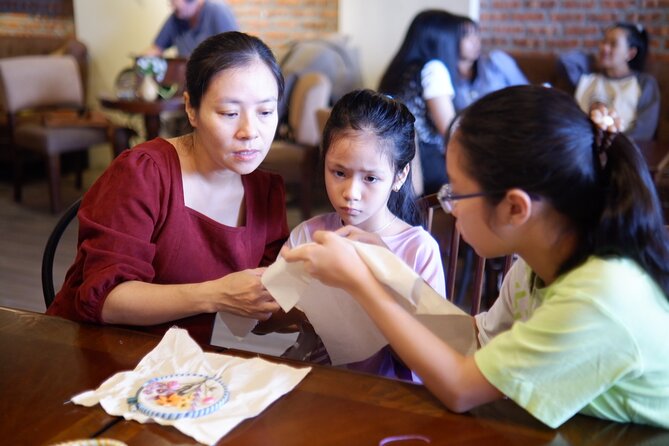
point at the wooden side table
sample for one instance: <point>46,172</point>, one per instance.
<point>151,110</point>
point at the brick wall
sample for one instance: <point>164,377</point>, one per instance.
<point>278,22</point>
<point>36,18</point>
<point>553,26</point>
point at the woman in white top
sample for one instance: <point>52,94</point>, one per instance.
<point>438,71</point>
<point>615,80</point>
<point>419,77</point>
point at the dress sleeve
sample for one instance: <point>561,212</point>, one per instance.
<point>436,80</point>
<point>648,109</point>
<point>117,221</point>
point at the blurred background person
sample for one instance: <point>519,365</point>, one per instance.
<point>418,76</point>
<point>191,22</point>
<point>478,73</point>
<point>438,71</point>
<point>614,80</point>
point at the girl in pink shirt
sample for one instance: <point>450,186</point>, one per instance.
<point>368,145</point>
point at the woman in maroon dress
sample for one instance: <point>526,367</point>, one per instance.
<point>175,230</point>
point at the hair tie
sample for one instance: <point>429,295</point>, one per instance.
<point>605,124</point>
<point>601,144</point>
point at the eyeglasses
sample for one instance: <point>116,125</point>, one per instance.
<point>447,198</point>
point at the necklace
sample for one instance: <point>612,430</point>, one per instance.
<point>386,226</point>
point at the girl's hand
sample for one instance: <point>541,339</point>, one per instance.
<point>605,117</point>
<point>356,234</point>
<point>331,259</point>
<point>242,293</point>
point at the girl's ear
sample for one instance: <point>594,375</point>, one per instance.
<point>190,111</point>
<point>631,53</point>
<point>401,177</point>
<point>517,207</point>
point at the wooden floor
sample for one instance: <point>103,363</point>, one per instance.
<point>24,229</point>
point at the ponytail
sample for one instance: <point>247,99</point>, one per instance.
<point>631,224</point>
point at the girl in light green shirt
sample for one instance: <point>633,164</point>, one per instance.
<point>582,321</point>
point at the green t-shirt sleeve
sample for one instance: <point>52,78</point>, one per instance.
<point>569,351</point>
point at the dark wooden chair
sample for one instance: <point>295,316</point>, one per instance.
<point>50,251</point>
<point>484,272</point>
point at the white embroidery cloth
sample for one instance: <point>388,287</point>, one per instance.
<point>349,335</point>
<point>253,384</point>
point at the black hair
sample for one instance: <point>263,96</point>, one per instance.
<point>391,122</point>
<point>221,52</point>
<point>637,37</point>
<point>537,139</point>
<point>433,34</point>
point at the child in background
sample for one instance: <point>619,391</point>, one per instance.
<point>368,145</point>
<point>614,81</point>
<point>581,323</point>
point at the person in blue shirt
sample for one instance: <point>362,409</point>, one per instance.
<point>476,73</point>
<point>192,22</point>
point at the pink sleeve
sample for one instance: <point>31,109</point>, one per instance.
<point>430,266</point>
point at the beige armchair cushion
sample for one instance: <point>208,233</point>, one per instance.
<point>311,92</point>
<point>38,87</point>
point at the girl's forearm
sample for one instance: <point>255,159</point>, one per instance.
<point>452,377</point>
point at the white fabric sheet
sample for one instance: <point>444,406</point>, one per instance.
<point>253,384</point>
<point>349,335</point>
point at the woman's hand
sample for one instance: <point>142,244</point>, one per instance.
<point>331,259</point>
<point>358,235</point>
<point>242,293</point>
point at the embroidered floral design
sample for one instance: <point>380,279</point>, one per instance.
<point>180,396</point>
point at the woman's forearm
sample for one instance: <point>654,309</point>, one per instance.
<point>140,303</point>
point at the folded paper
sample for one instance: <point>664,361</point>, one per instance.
<point>349,335</point>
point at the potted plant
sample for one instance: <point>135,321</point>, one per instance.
<point>152,69</point>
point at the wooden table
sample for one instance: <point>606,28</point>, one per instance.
<point>45,360</point>
<point>151,110</point>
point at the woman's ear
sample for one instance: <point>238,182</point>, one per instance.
<point>401,177</point>
<point>631,53</point>
<point>190,111</point>
<point>517,207</point>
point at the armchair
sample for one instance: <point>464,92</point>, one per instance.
<point>296,160</point>
<point>32,85</point>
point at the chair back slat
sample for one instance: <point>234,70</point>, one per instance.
<point>50,251</point>
<point>40,81</point>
